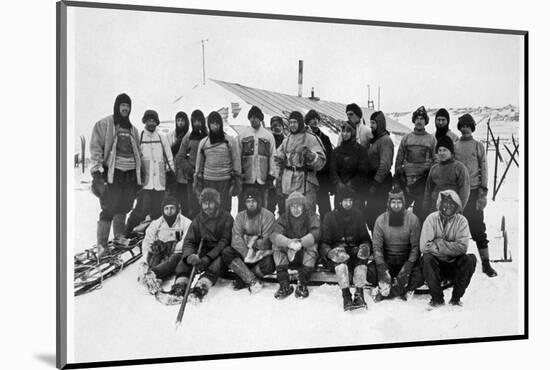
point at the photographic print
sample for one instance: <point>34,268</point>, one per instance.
<point>240,184</point>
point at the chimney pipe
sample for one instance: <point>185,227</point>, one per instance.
<point>300,76</point>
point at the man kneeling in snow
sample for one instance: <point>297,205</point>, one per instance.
<point>163,244</point>
<point>395,239</point>
<point>295,239</point>
<point>212,225</point>
<point>250,255</point>
<point>346,244</point>
<point>444,242</point>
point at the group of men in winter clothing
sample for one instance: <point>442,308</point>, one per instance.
<point>198,172</point>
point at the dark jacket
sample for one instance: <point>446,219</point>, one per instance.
<point>340,227</point>
<point>349,166</point>
<point>216,232</point>
<point>324,174</point>
<point>380,153</point>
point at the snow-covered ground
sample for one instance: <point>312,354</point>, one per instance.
<point>122,321</point>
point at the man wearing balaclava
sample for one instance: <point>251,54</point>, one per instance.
<point>299,158</point>
<point>218,163</point>
<point>444,242</point>
<point>257,148</point>
<point>250,255</point>
<point>185,162</point>
<point>442,120</point>
<point>415,157</point>
<point>157,166</point>
<point>345,246</point>
<point>116,169</point>
<point>396,270</point>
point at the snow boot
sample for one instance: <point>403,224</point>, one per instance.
<point>359,299</point>
<point>103,230</point>
<point>303,277</point>
<point>455,302</point>
<point>119,225</point>
<point>485,264</point>
<point>255,287</point>
<point>148,279</point>
<point>348,302</point>
<point>242,271</point>
<point>285,289</point>
<point>200,290</point>
<point>301,291</point>
<point>178,289</point>
<point>435,303</point>
<point>239,284</point>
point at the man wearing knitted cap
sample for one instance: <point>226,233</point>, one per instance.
<point>472,153</point>
<point>312,120</point>
<point>380,157</point>
<point>442,121</point>
<point>396,270</point>
<point>257,148</point>
<point>346,245</point>
<point>218,162</point>
<point>163,245</point>
<point>186,160</point>
<point>295,239</point>
<point>116,169</point>
<point>444,242</point>
<point>355,117</point>
<point>275,194</point>
<point>299,158</point>
<point>250,255</point>
<point>157,166</point>
<point>448,173</point>
<point>213,225</point>
<point>415,157</point>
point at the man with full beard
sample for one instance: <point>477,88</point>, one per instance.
<point>116,169</point>
<point>250,255</point>
<point>275,194</point>
<point>395,240</point>
<point>442,120</point>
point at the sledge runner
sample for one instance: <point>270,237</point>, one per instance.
<point>116,169</point>
<point>415,157</point>
<point>312,120</point>
<point>163,245</point>
<point>250,255</point>
<point>472,153</point>
<point>185,162</point>
<point>295,239</point>
<point>447,173</point>
<point>396,269</point>
<point>257,148</point>
<point>299,158</point>
<point>346,245</point>
<point>157,167</point>
<point>218,163</point>
<point>380,159</point>
<point>213,225</point>
<point>444,243</point>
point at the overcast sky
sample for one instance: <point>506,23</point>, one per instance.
<point>155,57</point>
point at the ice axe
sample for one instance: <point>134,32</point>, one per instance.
<point>188,289</point>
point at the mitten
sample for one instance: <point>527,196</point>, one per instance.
<point>363,251</point>
<point>402,279</point>
<point>338,255</point>
<point>384,279</point>
<point>99,185</point>
<point>204,262</point>
<point>193,259</point>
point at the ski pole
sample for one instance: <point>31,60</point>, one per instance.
<point>188,289</point>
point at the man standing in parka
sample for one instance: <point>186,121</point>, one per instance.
<point>355,117</point>
<point>346,245</point>
<point>185,162</point>
<point>380,157</point>
<point>175,137</point>
<point>275,196</point>
<point>218,162</point>
<point>448,173</point>
<point>299,158</point>
<point>395,239</point>
<point>213,225</point>
<point>116,169</point>
<point>472,153</point>
<point>312,120</point>
<point>295,239</point>
<point>415,157</point>
<point>257,148</point>
<point>157,164</point>
<point>250,255</point>
<point>444,243</point>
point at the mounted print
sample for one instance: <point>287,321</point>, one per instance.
<point>239,184</point>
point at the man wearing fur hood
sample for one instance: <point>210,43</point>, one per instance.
<point>444,242</point>
<point>299,158</point>
<point>395,240</point>
<point>346,245</point>
<point>295,239</point>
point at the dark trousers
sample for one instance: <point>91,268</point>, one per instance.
<point>263,267</point>
<point>323,201</point>
<point>275,200</point>
<point>180,192</point>
<point>149,202</point>
<point>476,220</point>
<point>223,188</point>
<point>378,201</point>
<point>262,189</point>
<point>416,279</point>
<point>119,196</point>
<point>460,271</point>
<point>179,266</point>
